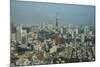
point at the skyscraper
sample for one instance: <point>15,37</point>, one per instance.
<point>18,32</point>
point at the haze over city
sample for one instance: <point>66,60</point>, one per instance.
<point>38,13</point>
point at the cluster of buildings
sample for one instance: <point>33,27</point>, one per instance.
<point>52,44</point>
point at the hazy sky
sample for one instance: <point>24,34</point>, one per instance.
<point>38,13</point>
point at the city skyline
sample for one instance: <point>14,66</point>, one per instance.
<point>38,13</point>
<point>47,33</point>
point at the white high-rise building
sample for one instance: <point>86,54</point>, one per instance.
<point>72,35</point>
<point>61,30</point>
<point>82,38</point>
<point>13,38</point>
<point>18,32</point>
<point>76,30</point>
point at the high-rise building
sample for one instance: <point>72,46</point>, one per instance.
<point>77,30</point>
<point>70,28</point>
<point>82,38</point>
<point>86,30</point>
<point>13,38</point>
<point>63,30</point>
<point>18,32</point>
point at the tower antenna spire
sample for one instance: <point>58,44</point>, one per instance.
<point>56,20</point>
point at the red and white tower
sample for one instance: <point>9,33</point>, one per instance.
<point>57,34</point>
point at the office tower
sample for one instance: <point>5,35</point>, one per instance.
<point>82,38</point>
<point>77,30</point>
<point>13,38</point>
<point>18,32</point>
<point>61,30</point>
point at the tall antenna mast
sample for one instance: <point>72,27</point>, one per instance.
<point>56,20</point>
